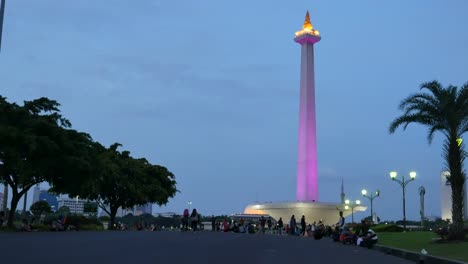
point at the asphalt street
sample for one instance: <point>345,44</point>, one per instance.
<point>179,247</point>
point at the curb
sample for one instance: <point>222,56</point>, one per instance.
<point>414,256</point>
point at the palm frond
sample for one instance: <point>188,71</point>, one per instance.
<point>430,99</point>
<point>405,120</point>
<point>435,87</point>
<point>433,129</point>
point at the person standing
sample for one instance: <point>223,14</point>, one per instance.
<point>280,226</point>
<point>303,225</point>
<point>194,219</point>
<point>269,224</point>
<point>262,224</point>
<point>213,223</point>
<point>292,225</point>
<point>185,220</point>
<point>341,222</point>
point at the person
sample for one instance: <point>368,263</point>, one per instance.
<point>369,240</point>
<point>25,226</point>
<point>213,223</point>
<point>262,224</point>
<point>292,225</point>
<point>269,224</point>
<point>280,226</point>
<point>185,220</point>
<point>303,225</point>
<point>341,222</point>
<point>346,236</point>
<point>225,226</point>
<point>194,219</point>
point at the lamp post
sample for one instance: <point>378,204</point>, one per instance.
<point>371,198</point>
<point>2,15</point>
<point>352,205</point>
<point>189,204</point>
<point>403,182</point>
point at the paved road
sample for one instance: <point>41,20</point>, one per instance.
<point>177,247</point>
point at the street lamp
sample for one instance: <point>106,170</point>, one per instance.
<point>403,182</point>
<point>371,197</point>
<point>349,204</point>
<point>189,204</point>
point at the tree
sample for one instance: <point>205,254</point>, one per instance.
<point>122,181</point>
<point>90,208</point>
<point>64,210</point>
<point>444,110</point>
<point>37,145</point>
<point>40,207</point>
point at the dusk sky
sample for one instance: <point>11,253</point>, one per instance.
<point>210,89</point>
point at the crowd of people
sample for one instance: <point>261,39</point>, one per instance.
<point>361,236</point>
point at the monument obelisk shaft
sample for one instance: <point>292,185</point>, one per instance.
<point>307,178</point>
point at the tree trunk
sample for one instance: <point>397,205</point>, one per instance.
<point>15,197</point>
<point>457,181</point>
<point>113,213</point>
<point>5,203</point>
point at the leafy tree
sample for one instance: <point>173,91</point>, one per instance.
<point>64,210</point>
<point>90,208</point>
<point>444,110</point>
<point>36,145</point>
<point>40,207</point>
<point>120,180</point>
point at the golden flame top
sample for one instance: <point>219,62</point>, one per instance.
<point>307,23</point>
<point>307,27</point>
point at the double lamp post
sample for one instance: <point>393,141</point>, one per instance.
<point>403,182</point>
<point>371,196</point>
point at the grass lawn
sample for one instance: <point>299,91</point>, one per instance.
<point>416,241</point>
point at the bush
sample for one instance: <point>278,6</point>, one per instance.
<point>81,220</point>
<point>387,228</point>
<point>92,227</point>
<point>104,218</point>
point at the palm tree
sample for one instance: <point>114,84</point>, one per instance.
<point>444,110</point>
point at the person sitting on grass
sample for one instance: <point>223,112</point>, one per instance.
<point>369,240</point>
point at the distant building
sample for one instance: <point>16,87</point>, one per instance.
<point>76,205</point>
<point>167,214</point>
<point>446,198</point>
<point>144,209</point>
<point>36,192</point>
<point>43,195</point>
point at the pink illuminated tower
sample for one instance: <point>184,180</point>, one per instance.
<point>307,180</point>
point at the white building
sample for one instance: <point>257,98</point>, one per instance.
<point>36,193</point>
<point>144,209</point>
<point>446,198</point>
<point>76,205</point>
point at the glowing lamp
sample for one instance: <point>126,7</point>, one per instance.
<point>364,192</point>
<point>358,202</point>
<point>412,175</point>
<point>393,175</point>
<point>346,207</point>
<point>346,202</point>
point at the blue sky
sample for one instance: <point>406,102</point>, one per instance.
<point>210,89</point>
